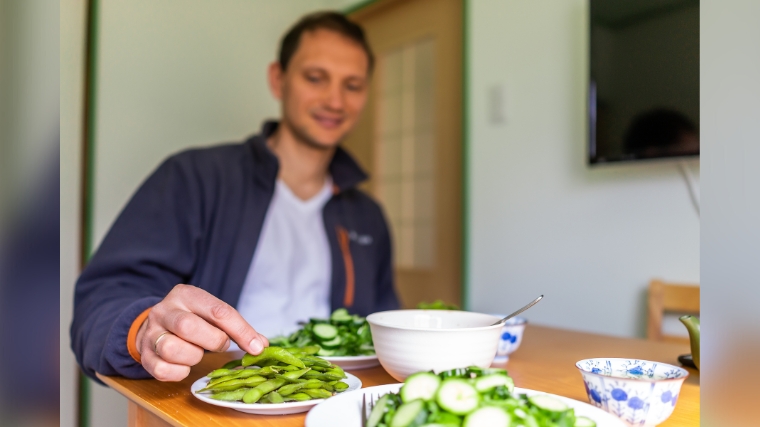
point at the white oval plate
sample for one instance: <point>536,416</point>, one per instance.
<point>270,408</point>
<point>349,407</point>
<point>354,362</point>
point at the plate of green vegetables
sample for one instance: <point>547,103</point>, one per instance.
<point>465,397</point>
<point>343,339</point>
<point>278,381</point>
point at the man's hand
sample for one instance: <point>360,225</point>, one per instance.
<point>195,320</point>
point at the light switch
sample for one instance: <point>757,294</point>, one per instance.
<point>497,104</point>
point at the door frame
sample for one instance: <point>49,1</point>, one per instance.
<point>367,7</point>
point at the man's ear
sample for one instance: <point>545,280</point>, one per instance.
<point>275,76</point>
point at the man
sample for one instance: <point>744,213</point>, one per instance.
<point>274,227</point>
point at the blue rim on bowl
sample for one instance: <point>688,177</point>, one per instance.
<point>674,373</point>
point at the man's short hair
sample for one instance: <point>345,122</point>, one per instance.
<point>327,20</point>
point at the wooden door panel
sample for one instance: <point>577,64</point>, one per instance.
<point>423,204</point>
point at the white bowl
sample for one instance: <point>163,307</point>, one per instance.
<point>409,341</point>
<point>640,392</point>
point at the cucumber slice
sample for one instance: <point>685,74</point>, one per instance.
<point>457,396</point>
<point>584,422</point>
<point>325,352</point>
<point>421,385</point>
<point>378,412</point>
<point>548,403</point>
<point>489,382</point>
<point>409,414</point>
<point>488,416</point>
<point>341,315</point>
<point>333,343</point>
<point>325,332</point>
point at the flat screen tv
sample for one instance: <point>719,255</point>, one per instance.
<point>644,80</point>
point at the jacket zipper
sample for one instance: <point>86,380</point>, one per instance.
<point>348,262</point>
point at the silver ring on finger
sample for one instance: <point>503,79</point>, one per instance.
<point>155,343</point>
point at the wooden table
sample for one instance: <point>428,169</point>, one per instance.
<point>545,361</point>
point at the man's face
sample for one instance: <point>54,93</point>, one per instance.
<point>324,88</point>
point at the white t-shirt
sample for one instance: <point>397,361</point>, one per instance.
<point>289,276</point>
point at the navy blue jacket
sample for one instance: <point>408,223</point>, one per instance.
<point>197,220</point>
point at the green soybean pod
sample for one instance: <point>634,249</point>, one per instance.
<point>331,377</point>
<point>275,397</point>
<point>337,370</point>
<point>273,353</point>
<point>221,372</point>
<point>232,364</point>
<point>300,397</point>
<point>296,374</point>
<point>340,386</point>
<point>231,396</point>
<point>236,384</point>
<point>317,393</point>
<point>307,350</point>
<point>238,375</point>
<point>289,380</point>
<point>313,384</point>
<point>312,360</point>
<point>254,394</point>
<point>289,389</point>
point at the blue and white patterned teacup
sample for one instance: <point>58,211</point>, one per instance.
<point>511,337</point>
<point>640,392</point>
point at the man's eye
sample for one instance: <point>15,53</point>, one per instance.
<point>354,88</point>
<point>313,79</point>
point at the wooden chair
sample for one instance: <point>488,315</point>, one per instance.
<point>669,298</point>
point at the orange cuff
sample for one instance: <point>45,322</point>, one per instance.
<point>132,335</point>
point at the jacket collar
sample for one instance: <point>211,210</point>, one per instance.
<point>344,170</point>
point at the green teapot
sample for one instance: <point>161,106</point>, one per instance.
<point>692,325</point>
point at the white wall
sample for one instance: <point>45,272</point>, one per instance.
<point>541,221</point>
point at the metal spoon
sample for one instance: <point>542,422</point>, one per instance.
<point>530,304</point>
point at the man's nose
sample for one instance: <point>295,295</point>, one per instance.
<point>334,97</point>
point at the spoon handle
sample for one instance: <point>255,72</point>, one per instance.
<point>531,304</point>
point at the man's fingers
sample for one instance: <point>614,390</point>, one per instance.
<point>194,329</point>
<point>175,350</point>
<point>223,316</point>
<point>163,370</point>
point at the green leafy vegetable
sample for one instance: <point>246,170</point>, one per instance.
<point>343,334</point>
<point>436,305</point>
<point>469,397</point>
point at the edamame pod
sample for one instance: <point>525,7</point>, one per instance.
<point>231,396</point>
<point>232,364</point>
<point>300,397</point>
<point>309,349</point>
<point>340,386</point>
<point>311,360</point>
<point>236,384</point>
<point>273,353</point>
<point>290,380</point>
<point>221,372</point>
<point>254,394</point>
<point>239,375</point>
<point>275,397</point>
<point>313,384</point>
<point>317,393</point>
<point>289,389</point>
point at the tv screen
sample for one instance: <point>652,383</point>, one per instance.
<point>644,82</point>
